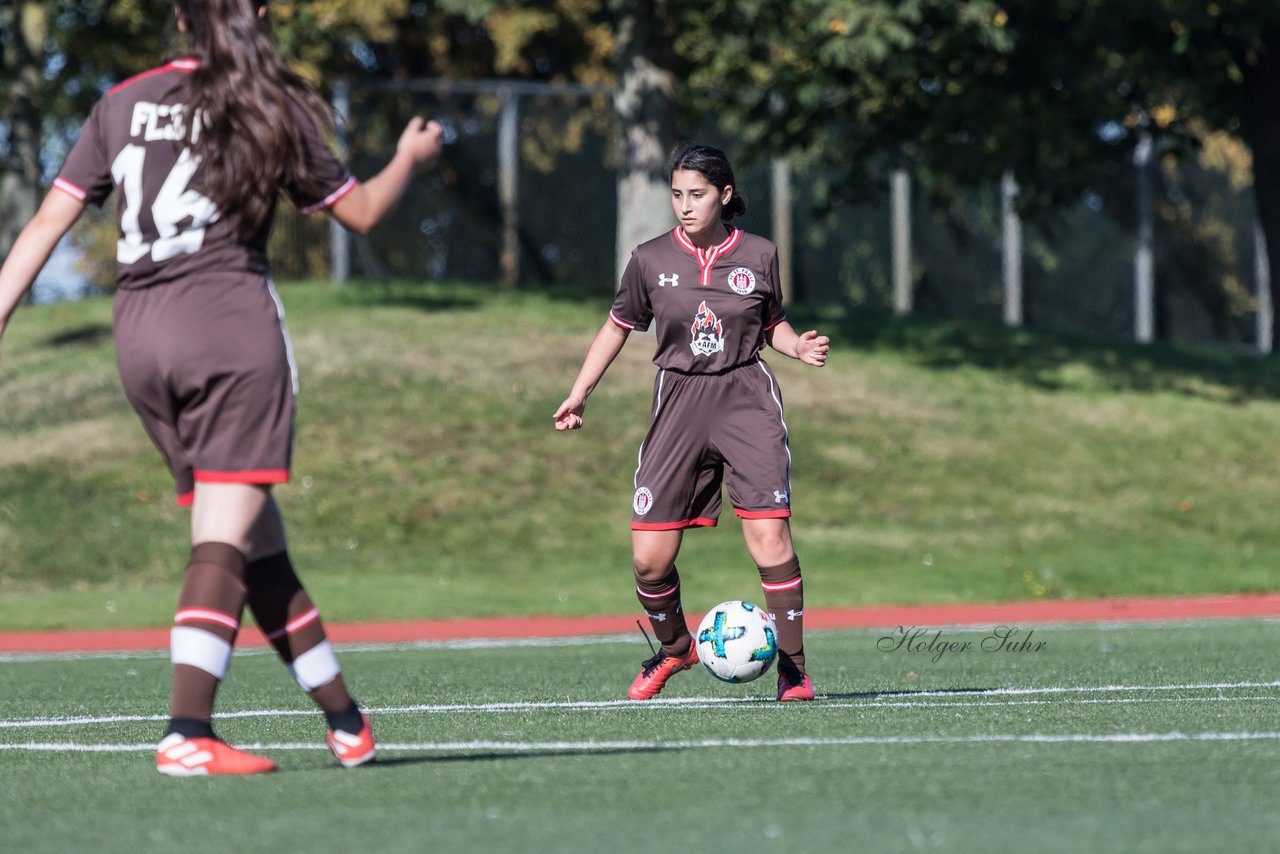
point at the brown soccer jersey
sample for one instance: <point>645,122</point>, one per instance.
<point>717,415</point>
<point>712,307</point>
<point>199,337</point>
<point>134,142</point>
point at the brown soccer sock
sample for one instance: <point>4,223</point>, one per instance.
<point>205,627</point>
<point>661,602</point>
<point>286,615</point>
<point>784,597</point>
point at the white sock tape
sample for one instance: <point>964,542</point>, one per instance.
<point>199,648</point>
<point>315,667</point>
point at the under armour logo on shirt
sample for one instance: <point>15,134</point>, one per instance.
<point>780,496</point>
<point>672,279</point>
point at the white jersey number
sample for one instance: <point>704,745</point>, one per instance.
<point>174,204</point>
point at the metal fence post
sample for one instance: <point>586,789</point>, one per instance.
<point>1144,288</point>
<point>1262,283</point>
<point>1011,234</point>
<point>509,186</point>
<point>339,237</point>
<point>781,175</point>
<point>901,193</point>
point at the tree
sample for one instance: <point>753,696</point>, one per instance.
<point>645,102</point>
<point>24,26</point>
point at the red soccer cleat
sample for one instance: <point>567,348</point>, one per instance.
<point>791,689</point>
<point>655,672</point>
<point>353,750</point>
<point>179,756</point>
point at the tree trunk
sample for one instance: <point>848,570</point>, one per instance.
<point>1262,133</point>
<point>27,27</point>
<point>645,103</point>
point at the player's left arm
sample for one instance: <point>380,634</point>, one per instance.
<point>809,347</point>
<point>58,212</point>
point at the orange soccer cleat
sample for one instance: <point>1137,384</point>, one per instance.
<point>797,686</point>
<point>655,672</point>
<point>352,750</point>
<point>179,756</point>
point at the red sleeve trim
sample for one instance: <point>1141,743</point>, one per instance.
<point>618,321</point>
<point>250,476</point>
<point>775,323</point>
<point>331,199</point>
<point>70,189</point>
<point>762,514</point>
<point>674,526</point>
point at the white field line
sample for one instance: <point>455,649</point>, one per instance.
<point>591,640</point>
<point>736,743</point>
<point>827,703</point>
<point>461,644</point>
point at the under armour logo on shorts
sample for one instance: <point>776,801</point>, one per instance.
<point>672,279</point>
<point>780,496</point>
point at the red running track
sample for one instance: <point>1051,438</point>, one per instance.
<point>1120,610</point>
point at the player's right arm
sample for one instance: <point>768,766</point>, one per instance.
<point>365,206</point>
<point>58,212</point>
<point>604,349</point>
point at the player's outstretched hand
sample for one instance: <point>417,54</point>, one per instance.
<point>569,415</point>
<point>812,348</point>
<point>422,140</point>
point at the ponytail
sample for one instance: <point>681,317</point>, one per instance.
<point>247,111</point>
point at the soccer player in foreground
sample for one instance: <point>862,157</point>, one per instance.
<point>198,150</point>
<point>714,293</point>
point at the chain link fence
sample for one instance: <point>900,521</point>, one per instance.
<point>535,206</point>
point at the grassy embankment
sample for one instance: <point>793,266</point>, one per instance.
<point>934,462</point>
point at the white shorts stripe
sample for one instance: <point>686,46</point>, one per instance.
<point>198,648</point>
<point>284,333</point>
<point>786,434</point>
<point>657,407</point>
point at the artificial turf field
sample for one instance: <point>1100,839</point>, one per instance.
<point>1153,737</point>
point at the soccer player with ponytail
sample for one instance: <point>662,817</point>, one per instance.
<point>712,293</point>
<point>198,150</point>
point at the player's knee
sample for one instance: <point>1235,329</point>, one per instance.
<point>771,546</point>
<point>650,568</point>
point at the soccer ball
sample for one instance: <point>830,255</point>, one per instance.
<point>737,641</point>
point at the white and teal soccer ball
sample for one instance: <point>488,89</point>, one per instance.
<point>737,641</point>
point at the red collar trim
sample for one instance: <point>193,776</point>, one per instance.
<point>707,257</point>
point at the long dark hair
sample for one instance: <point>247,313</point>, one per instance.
<point>713,164</point>
<point>246,108</point>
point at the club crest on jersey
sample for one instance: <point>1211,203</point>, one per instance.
<point>742,281</point>
<point>642,501</point>
<point>707,332</point>
<point>665,279</point>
